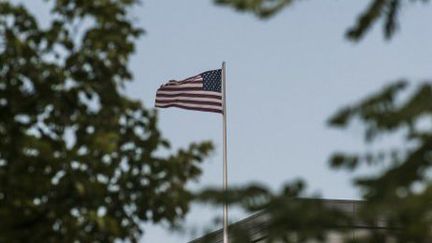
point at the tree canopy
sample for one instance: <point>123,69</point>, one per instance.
<point>79,160</point>
<point>385,11</point>
<point>398,195</point>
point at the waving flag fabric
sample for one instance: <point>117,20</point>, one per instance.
<point>201,92</point>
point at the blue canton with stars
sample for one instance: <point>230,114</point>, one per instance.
<point>212,80</point>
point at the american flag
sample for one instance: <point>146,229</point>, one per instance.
<point>201,92</point>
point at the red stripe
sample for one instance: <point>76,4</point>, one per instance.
<point>195,102</point>
<point>189,95</point>
<point>175,88</point>
<point>191,108</point>
<point>174,82</point>
<point>193,78</point>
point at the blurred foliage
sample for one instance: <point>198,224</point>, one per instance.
<point>262,8</point>
<point>80,161</point>
<point>282,216</point>
<point>386,11</point>
<point>397,188</point>
<point>400,193</point>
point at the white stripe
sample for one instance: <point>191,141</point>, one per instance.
<point>217,107</point>
<point>188,98</point>
<point>189,85</point>
<point>194,79</point>
<point>198,92</point>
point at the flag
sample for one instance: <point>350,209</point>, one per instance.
<point>201,92</point>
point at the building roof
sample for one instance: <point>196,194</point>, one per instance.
<point>255,224</point>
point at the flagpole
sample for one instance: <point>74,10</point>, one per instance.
<point>225,162</point>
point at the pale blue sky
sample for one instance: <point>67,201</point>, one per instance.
<point>285,77</point>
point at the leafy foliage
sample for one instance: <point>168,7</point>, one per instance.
<point>262,8</point>
<point>399,194</point>
<point>398,190</point>
<point>396,194</point>
<point>377,10</point>
<point>80,161</point>
<point>286,218</point>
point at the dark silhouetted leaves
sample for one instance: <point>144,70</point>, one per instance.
<point>262,8</point>
<point>396,193</point>
<point>79,161</point>
<point>385,10</point>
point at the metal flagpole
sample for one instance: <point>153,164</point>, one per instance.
<point>225,163</point>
